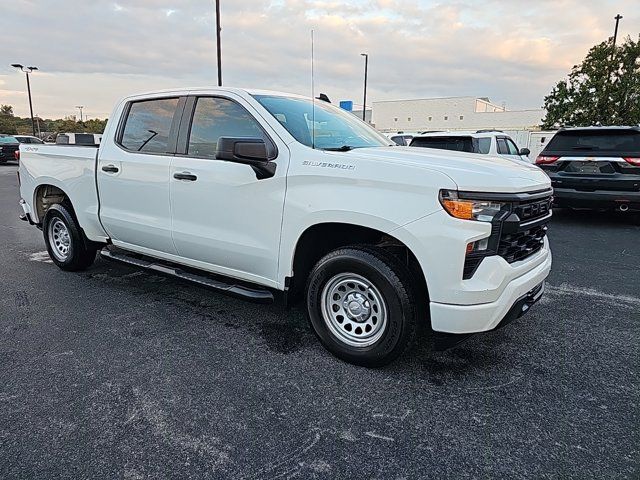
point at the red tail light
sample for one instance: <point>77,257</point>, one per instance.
<point>546,159</point>
<point>633,160</point>
<point>16,154</point>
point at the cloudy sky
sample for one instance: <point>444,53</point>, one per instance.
<point>90,52</point>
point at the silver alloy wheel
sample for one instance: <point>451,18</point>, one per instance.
<point>354,309</point>
<point>59,239</point>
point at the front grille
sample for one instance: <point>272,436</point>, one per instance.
<point>517,246</point>
<point>532,210</point>
<point>517,233</point>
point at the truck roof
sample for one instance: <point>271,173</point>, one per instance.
<point>461,133</point>
<point>598,127</point>
<point>240,91</point>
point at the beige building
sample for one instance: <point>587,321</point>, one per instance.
<point>451,113</point>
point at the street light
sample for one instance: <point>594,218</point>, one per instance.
<point>27,71</point>
<point>218,47</point>
<point>615,33</point>
<point>364,101</point>
<point>80,107</point>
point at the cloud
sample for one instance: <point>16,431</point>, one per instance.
<point>93,52</point>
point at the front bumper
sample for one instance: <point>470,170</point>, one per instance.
<point>515,299</point>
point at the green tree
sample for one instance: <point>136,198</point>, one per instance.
<point>7,120</point>
<point>12,125</point>
<point>603,90</point>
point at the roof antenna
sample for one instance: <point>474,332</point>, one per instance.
<point>313,101</point>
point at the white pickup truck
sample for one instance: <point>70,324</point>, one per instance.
<point>256,192</point>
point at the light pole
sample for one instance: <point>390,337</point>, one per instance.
<point>80,107</point>
<point>364,101</point>
<point>27,71</point>
<point>615,32</point>
<point>218,47</point>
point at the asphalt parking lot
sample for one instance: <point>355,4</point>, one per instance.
<point>116,373</point>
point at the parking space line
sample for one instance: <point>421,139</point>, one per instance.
<point>566,290</point>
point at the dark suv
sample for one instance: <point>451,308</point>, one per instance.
<point>594,167</point>
<point>9,144</point>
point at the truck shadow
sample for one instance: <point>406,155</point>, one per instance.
<point>287,331</point>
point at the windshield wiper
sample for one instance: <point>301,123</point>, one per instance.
<point>343,148</point>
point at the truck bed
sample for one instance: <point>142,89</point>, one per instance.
<point>70,168</point>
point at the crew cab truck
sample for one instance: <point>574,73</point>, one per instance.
<point>255,192</point>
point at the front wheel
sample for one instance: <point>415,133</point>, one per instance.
<point>64,239</point>
<point>360,304</point>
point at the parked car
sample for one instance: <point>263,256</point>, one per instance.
<point>238,183</point>
<point>403,139</point>
<point>594,167</point>
<point>28,139</point>
<point>482,142</point>
<point>88,139</point>
<point>9,146</point>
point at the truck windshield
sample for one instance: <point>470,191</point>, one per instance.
<point>326,128</point>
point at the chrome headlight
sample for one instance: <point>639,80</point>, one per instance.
<point>470,209</point>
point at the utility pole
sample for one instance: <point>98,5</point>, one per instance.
<point>219,48</point>
<point>364,101</point>
<point>615,32</point>
<point>27,71</point>
<point>80,107</point>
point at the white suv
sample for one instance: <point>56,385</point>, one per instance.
<point>488,142</point>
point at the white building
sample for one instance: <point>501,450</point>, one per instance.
<point>451,113</point>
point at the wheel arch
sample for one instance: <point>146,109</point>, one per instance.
<point>320,238</point>
<point>47,194</point>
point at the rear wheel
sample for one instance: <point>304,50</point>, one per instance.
<point>64,240</point>
<point>361,306</point>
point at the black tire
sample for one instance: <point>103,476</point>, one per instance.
<point>390,279</point>
<point>79,256</point>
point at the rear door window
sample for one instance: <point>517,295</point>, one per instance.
<point>484,145</point>
<point>458,144</point>
<point>502,146</point>
<point>148,125</point>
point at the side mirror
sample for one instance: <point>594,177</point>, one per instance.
<point>251,151</point>
<point>525,152</point>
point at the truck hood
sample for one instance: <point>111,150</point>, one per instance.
<point>470,171</point>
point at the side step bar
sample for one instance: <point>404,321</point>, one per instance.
<point>256,295</point>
